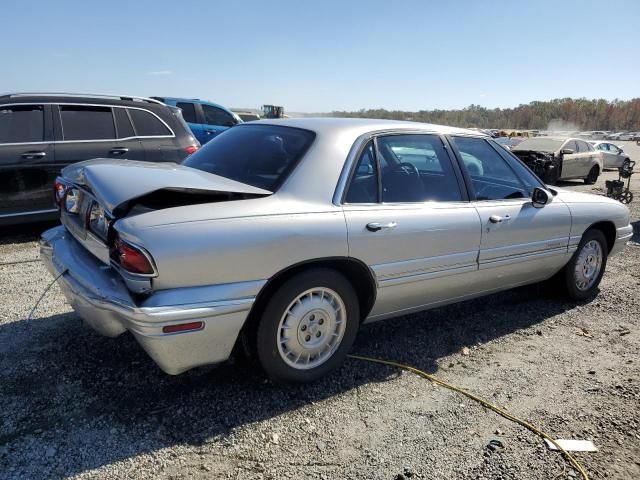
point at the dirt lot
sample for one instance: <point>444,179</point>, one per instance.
<point>75,404</point>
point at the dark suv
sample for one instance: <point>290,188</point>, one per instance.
<point>41,133</point>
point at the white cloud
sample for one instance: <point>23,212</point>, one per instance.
<point>160,72</point>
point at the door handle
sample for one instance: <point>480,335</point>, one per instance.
<point>211,132</point>
<point>118,151</point>
<point>33,155</point>
<point>499,219</point>
<point>375,226</point>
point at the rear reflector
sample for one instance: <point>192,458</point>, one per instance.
<point>183,327</point>
<point>191,149</point>
<point>131,258</point>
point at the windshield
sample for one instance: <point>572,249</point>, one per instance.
<point>258,155</point>
<point>540,144</point>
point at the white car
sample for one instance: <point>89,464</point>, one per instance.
<point>612,155</point>
<point>627,136</point>
<point>560,158</point>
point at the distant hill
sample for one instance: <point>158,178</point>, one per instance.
<point>579,114</point>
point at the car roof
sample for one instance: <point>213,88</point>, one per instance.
<point>359,126</point>
<point>193,100</point>
<point>81,98</point>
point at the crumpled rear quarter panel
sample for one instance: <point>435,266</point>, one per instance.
<point>238,249</point>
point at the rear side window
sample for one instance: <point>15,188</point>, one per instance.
<point>491,176</point>
<point>216,116</point>
<point>364,182</point>
<point>123,124</point>
<point>87,123</point>
<point>188,111</point>
<point>21,124</point>
<point>147,124</point>
<point>258,155</point>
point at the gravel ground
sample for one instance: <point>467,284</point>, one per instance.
<point>78,405</point>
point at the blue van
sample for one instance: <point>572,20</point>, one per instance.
<point>205,119</point>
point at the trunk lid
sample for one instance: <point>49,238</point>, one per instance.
<point>118,185</point>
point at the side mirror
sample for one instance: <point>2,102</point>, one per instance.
<point>539,197</point>
<point>566,151</point>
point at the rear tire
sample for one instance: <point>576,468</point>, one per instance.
<point>592,177</point>
<point>308,326</point>
<point>582,275</point>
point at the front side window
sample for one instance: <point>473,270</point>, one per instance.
<point>491,176</point>
<point>216,116</point>
<point>147,124</point>
<point>258,155</point>
<point>21,124</point>
<point>81,122</point>
<point>188,111</point>
<point>416,168</point>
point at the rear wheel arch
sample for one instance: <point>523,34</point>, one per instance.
<point>355,271</point>
<point>360,276</point>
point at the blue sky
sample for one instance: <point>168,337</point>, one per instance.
<point>316,56</point>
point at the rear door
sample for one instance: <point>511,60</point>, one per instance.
<point>157,138</point>
<point>27,160</point>
<point>83,132</point>
<point>586,158</point>
<point>216,121</point>
<point>603,148</point>
<point>409,220</point>
<point>520,243</point>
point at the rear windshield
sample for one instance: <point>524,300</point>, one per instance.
<point>258,155</point>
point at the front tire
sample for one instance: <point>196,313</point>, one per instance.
<point>308,326</point>
<point>592,177</point>
<point>583,273</point>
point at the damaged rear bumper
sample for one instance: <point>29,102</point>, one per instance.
<point>99,296</point>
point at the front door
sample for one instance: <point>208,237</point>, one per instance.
<point>216,121</point>
<point>409,220</point>
<point>27,160</point>
<point>520,243</point>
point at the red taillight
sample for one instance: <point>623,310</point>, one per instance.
<point>59,190</point>
<point>131,258</point>
<point>183,327</point>
<point>191,149</point>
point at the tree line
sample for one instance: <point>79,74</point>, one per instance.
<point>557,114</point>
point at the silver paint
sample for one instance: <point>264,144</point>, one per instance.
<point>221,255</point>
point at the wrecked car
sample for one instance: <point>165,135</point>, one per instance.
<point>558,158</point>
<point>279,238</point>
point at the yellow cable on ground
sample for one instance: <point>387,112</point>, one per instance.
<point>484,403</point>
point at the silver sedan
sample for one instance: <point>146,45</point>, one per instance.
<point>612,155</point>
<point>284,236</point>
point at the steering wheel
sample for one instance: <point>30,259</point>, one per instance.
<point>408,168</point>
